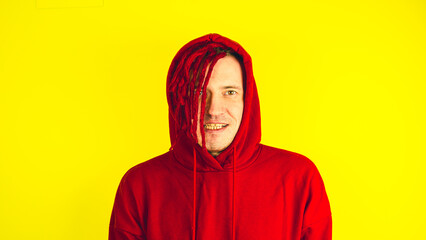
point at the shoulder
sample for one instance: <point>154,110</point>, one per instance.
<point>287,160</point>
<point>285,156</point>
<point>150,169</point>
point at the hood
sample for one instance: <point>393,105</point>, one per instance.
<point>245,146</point>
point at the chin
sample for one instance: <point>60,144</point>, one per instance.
<point>215,148</point>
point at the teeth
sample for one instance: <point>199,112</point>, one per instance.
<point>214,126</point>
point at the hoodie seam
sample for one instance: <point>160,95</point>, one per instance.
<point>123,230</point>
<point>317,221</point>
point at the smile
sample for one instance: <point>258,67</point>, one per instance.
<point>214,126</point>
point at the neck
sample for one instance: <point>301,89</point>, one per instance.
<point>214,153</point>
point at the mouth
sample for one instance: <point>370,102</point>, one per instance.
<point>214,126</point>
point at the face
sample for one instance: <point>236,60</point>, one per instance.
<point>224,105</point>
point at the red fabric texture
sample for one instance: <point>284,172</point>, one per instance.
<point>249,191</point>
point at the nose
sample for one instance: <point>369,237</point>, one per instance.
<point>214,105</point>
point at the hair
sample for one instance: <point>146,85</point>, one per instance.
<point>190,80</point>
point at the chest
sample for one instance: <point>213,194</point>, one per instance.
<point>263,206</point>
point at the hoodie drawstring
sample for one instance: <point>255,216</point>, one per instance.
<point>194,204</point>
<point>233,196</point>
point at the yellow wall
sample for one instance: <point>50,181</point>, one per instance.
<point>82,99</point>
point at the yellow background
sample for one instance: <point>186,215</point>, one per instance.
<point>82,99</point>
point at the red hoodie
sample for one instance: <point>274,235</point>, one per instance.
<point>249,191</point>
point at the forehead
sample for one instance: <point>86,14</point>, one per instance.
<point>226,71</point>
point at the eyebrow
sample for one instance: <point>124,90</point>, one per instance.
<point>234,87</point>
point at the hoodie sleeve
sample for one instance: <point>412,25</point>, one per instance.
<point>125,221</point>
<point>317,215</point>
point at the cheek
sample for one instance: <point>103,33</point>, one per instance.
<point>237,112</point>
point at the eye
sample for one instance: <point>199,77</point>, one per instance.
<point>231,92</point>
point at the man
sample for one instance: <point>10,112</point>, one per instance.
<point>217,181</point>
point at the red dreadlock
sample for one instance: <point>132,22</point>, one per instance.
<point>188,83</point>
